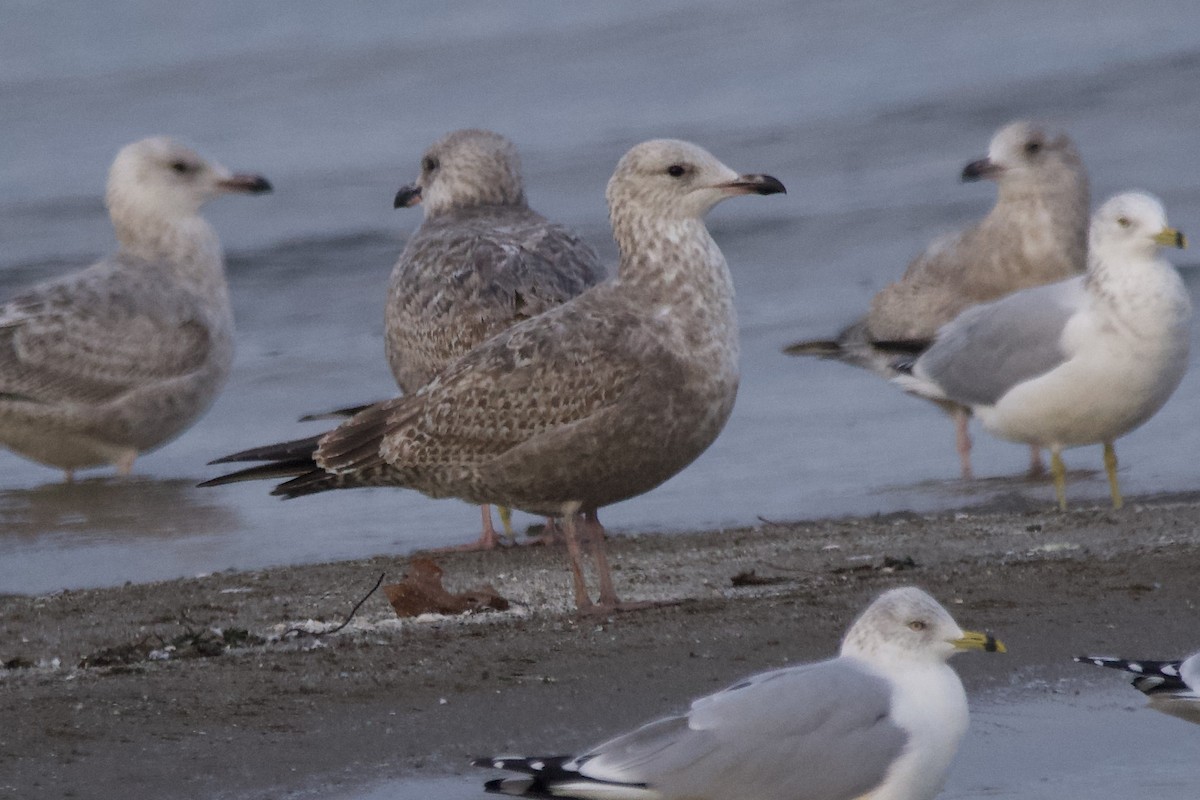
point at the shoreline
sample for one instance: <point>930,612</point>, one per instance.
<point>264,714</point>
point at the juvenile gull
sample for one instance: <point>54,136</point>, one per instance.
<point>1081,361</point>
<point>1172,687</point>
<point>117,359</point>
<point>481,262</point>
<point>882,720</point>
<point>1035,234</point>
<point>595,401</point>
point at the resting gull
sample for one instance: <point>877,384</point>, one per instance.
<point>1081,361</point>
<point>1035,234</point>
<point>481,262</point>
<point>1173,687</point>
<point>882,720</point>
<point>595,401</point>
<point>117,359</point>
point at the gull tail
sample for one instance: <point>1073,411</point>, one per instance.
<point>854,346</point>
<point>558,776</point>
<point>336,413</point>
<point>281,451</point>
<point>1150,677</point>
<point>293,460</point>
<point>345,458</point>
<point>820,348</point>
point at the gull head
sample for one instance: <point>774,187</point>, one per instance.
<point>908,625</point>
<point>1132,226</point>
<point>1025,153</point>
<point>161,178</point>
<point>667,179</point>
<point>465,168</point>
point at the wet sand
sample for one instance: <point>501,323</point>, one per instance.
<point>384,699</point>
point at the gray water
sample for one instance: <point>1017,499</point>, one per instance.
<point>1035,743</point>
<point>866,111</point>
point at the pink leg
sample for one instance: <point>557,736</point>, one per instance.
<point>124,464</point>
<point>1036,468</point>
<point>608,595</point>
<point>488,539</point>
<point>570,529</point>
<point>962,440</point>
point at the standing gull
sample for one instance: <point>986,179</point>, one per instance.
<point>1081,361</point>
<point>1035,234</point>
<point>883,720</point>
<point>117,359</point>
<point>592,402</point>
<point>481,262</point>
<point>1173,687</point>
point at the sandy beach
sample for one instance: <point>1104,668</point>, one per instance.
<point>97,705</point>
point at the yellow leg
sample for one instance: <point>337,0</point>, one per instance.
<point>1110,466</point>
<point>506,520</point>
<point>1060,477</point>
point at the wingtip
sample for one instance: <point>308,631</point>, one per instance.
<point>821,348</point>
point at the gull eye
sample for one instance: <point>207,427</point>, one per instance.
<point>182,167</point>
<point>1124,222</point>
<point>1032,148</point>
<point>676,170</point>
<point>917,625</point>
<point>429,163</point>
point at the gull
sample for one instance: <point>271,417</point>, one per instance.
<point>882,720</point>
<point>1082,361</point>
<point>481,261</point>
<point>1173,687</point>
<point>1035,234</point>
<point>594,401</point>
<point>115,360</point>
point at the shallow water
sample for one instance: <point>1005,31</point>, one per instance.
<point>867,115</point>
<point>1033,744</point>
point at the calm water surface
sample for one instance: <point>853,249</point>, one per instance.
<point>867,113</point>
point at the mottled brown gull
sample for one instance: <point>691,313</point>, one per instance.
<point>882,720</point>
<point>1035,234</point>
<point>594,401</point>
<point>481,262</point>
<point>117,359</point>
<point>1082,361</point>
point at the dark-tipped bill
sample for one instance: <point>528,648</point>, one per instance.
<point>407,196</point>
<point>251,184</point>
<point>983,168</point>
<point>757,184</point>
<point>973,640</point>
<point>1169,237</point>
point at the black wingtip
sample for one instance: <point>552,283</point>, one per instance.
<point>280,451</point>
<point>336,413</point>
<point>821,348</point>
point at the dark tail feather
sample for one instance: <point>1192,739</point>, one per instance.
<point>546,777</point>
<point>902,347</point>
<point>272,471</point>
<point>821,348</point>
<point>281,451</point>
<point>336,413</point>
<point>311,481</point>
<point>284,460</point>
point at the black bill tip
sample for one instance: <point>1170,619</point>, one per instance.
<point>407,196</point>
<point>250,184</point>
